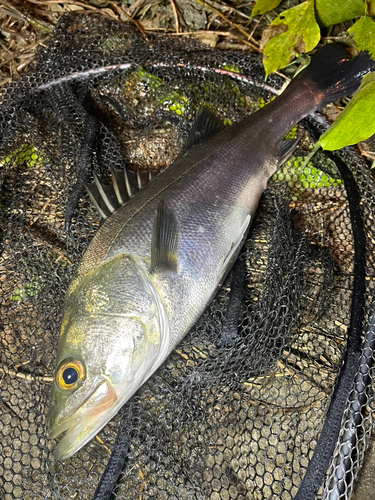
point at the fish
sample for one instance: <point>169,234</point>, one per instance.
<point>161,254</point>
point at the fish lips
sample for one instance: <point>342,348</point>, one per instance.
<point>84,422</point>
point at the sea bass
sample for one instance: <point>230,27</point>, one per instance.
<point>158,260</point>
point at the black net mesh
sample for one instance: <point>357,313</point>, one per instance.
<point>233,419</point>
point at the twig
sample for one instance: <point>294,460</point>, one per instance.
<point>9,13</point>
<point>232,9</point>
<point>5,48</point>
<point>71,2</point>
<point>197,32</point>
<point>310,155</point>
<point>5,81</point>
<point>282,76</point>
<point>19,52</point>
<point>175,13</point>
<point>38,24</point>
<point>222,33</point>
<point>120,11</point>
<point>257,24</point>
<point>40,213</point>
<point>220,14</point>
<point>7,405</point>
<point>28,377</point>
<point>335,38</point>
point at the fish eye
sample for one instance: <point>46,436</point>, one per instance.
<point>70,374</point>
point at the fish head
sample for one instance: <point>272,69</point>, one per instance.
<point>114,332</point>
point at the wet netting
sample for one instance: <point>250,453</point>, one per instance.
<point>234,413</point>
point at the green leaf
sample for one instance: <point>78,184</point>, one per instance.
<point>263,6</point>
<point>355,123</point>
<point>330,12</point>
<point>293,32</point>
<point>363,32</point>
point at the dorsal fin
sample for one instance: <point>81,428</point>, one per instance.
<point>125,184</point>
<point>205,125</point>
<point>164,244</point>
<point>286,149</point>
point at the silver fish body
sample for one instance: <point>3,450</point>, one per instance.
<point>126,309</point>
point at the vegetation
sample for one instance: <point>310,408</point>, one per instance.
<point>298,30</point>
<point>283,31</point>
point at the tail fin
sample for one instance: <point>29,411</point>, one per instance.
<point>333,75</point>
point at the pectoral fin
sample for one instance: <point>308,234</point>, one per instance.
<point>164,245</point>
<point>204,127</point>
<point>286,149</point>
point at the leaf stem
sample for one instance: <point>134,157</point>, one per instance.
<point>310,155</point>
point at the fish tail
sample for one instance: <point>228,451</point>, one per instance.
<point>331,76</point>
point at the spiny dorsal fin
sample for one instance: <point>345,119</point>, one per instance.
<point>125,184</point>
<point>102,197</point>
<point>286,149</point>
<point>164,244</point>
<point>205,125</point>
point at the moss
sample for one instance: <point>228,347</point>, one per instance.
<point>175,101</point>
<point>30,290</point>
<point>147,92</point>
<point>118,41</point>
<point>300,177</point>
<point>292,133</point>
<point>26,154</point>
<point>141,81</point>
<point>230,67</point>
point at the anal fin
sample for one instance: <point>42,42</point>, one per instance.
<point>164,244</point>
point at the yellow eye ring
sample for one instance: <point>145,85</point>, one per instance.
<point>70,374</point>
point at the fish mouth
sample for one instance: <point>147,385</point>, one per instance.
<point>89,418</point>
